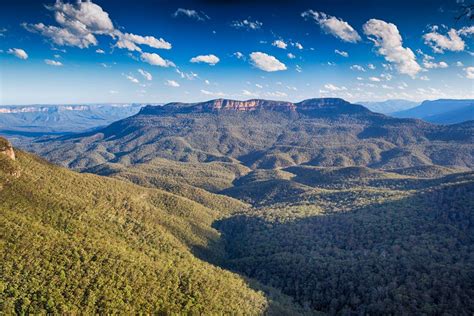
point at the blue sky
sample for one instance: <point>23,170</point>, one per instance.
<point>161,51</point>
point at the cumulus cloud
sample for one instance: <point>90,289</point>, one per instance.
<point>131,41</point>
<point>62,36</point>
<point>80,22</point>
<point>53,62</point>
<point>371,66</point>
<point>172,83</point>
<point>156,60</point>
<point>424,78</point>
<point>266,62</point>
<point>291,56</point>
<point>247,24</point>
<point>145,74</point>
<point>374,79</point>
<point>193,14</point>
<point>18,52</point>
<point>431,65</point>
<point>387,38</point>
<point>333,25</point>
<point>469,72</point>
<point>439,43</point>
<point>280,44</point>
<point>207,59</point>
<point>342,53</point>
<point>100,51</point>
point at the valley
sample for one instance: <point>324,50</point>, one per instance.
<point>255,206</point>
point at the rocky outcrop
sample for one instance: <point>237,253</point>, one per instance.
<point>6,148</point>
<point>306,106</point>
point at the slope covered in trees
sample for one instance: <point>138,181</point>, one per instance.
<point>79,243</point>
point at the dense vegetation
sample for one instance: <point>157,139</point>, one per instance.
<point>412,255</point>
<point>73,243</point>
<point>317,134</point>
<point>342,210</point>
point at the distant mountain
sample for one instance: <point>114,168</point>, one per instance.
<point>62,118</point>
<point>389,106</point>
<point>442,111</point>
<point>266,134</point>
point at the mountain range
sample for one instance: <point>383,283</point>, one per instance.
<point>44,119</point>
<point>241,207</point>
<point>261,134</point>
<point>441,111</point>
<point>389,106</point>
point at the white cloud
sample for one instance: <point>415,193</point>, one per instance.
<point>80,22</point>
<point>374,79</point>
<point>259,86</point>
<point>459,64</point>
<point>333,25</point>
<point>156,60</point>
<point>215,94</point>
<point>331,87</point>
<point>431,65</point>
<point>371,66</point>
<point>439,43</point>
<point>191,14</point>
<point>387,77</point>
<point>247,24</point>
<point>358,68</point>
<point>53,62</point>
<point>386,37</point>
<point>99,51</point>
<point>184,75</point>
<point>298,45</point>
<point>131,41</point>
<point>266,62</point>
<point>424,78</point>
<point>172,83</point>
<point>239,55</point>
<point>342,53</point>
<point>298,68</point>
<point>466,31</point>
<point>291,56</point>
<point>208,59</point>
<point>132,79</point>
<point>62,36</point>
<point>280,44</point>
<point>145,74</point>
<point>469,72</point>
<point>18,52</point>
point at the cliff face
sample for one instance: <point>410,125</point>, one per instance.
<point>255,105</point>
<point>6,148</point>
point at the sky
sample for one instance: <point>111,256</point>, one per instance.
<point>143,51</point>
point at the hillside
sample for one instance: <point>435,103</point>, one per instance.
<point>266,134</point>
<point>81,243</point>
<point>441,111</point>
